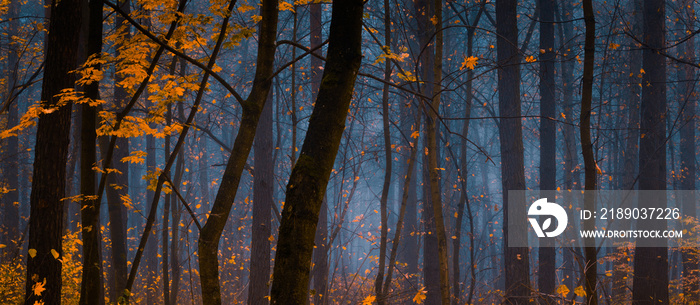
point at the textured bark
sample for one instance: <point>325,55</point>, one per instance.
<point>251,108</point>
<point>91,284</point>
<point>517,289</point>
<point>431,274</point>
<point>309,177</point>
<point>591,254</point>
<point>320,256</point>
<point>548,136</point>
<point>650,283</point>
<point>263,182</point>
<point>50,155</point>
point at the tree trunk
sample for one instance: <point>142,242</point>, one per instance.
<point>620,290</point>
<point>91,284</point>
<point>650,283</point>
<point>379,280</point>
<point>50,156</point>
<point>591,253</point>
<point>118,186</point>
<point>262,206</point>
<point>517,281</point>
<point>309,177</point>
<point>433,169</point>
<point>548,137</point>
<point>320,255</point>
<point>251,109</point>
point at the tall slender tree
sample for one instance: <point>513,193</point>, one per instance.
<point>548,137</point>
<point>512,159</point>
<point>90,289</point>
<point>50,156</point>
<point>650,283</point>
<point>263,182</point>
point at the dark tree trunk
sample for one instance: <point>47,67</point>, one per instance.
<point>309,177</point>
<point>650,283</point>
<point>151,249</point>
<point>262,206</point>
<point>379,281</point>
<point>117,210</point>
<point>91,284</point>
<point>251,109</point>
<point>320,255</point>
<point>517,290</point>
<point>50,156</point>
<point>548,136</point>
<point>591,253</point>
<point>431,274</point>
<point>620,274</point>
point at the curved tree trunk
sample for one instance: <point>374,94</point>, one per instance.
<point>309,178</point>
<point>591,254</point>
<point>252,107</point>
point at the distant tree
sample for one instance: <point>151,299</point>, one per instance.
<point>512,159</point>
<point>548,137</point>
<point>50,155</point>
<point>263,182</point>
<point>650,283</point>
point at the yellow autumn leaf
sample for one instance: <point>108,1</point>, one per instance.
<point>530,58</point>
<point>286,6</point>
<point>598,170</point>
<point>415,134</point>
<point>614,46</point>
<point>54,253</point>
<point>420,296</point>
<point>368,300</point>
<point>434,20</point>
<point>579,291</point>
<point>469,62</point>
<point>32,253</point>
<point>2,246</point>
<point>563,290</point>
<point>407,76</point>
<point>244,8</point>
<point>271,238</point>
<point>38,288</point>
